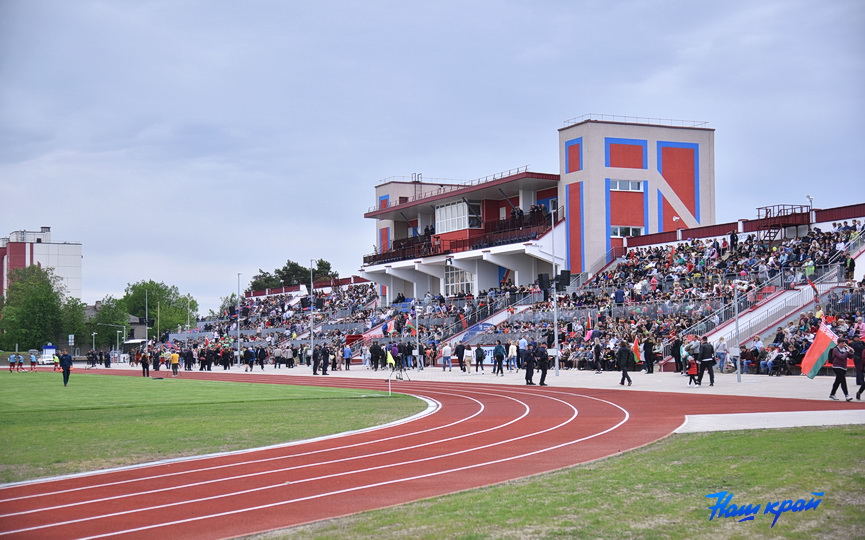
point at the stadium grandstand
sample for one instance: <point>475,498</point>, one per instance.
<point>621,244</point>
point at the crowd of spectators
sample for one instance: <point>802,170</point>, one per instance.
<point>653,296</point>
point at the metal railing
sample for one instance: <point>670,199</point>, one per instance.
<point>635,120</point>
<point>457,326</point>
<point>727,312</point>
<point>771,316</point>
<point>609,261</point>
<point>495,233</point>
<point>447,188</point>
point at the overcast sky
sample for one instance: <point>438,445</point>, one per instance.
<point>187,141</point>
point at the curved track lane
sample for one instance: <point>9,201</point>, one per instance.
<point>477,435</point>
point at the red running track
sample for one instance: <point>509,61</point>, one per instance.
<point>477,435</point>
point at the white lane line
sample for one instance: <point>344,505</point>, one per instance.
<point>701,423</point>
<point>287,469</point>
<point>369,469</point>
<point>370,486</point>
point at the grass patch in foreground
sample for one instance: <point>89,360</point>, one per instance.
<point>102,421</point>
<point>658,491</point>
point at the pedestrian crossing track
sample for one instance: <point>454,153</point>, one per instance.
<point>471,435</point>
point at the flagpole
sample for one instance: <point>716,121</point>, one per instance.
<point>311,313</point>
<point>418,355</point>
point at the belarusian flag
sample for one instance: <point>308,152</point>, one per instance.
<point>818,353</point>
<point>636,348</point>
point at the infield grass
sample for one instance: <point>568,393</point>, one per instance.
<point>102,421</point>
<point>658,491</point>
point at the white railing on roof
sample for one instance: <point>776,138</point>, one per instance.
<point>636,120</point>
<point>447,188</point>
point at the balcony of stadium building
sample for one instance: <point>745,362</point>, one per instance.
<point>454,239</point>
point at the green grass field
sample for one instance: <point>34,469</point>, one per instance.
<point>103,421</point>
<point>658,491</point>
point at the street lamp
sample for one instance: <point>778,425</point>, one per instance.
<point>554,283</point>
<point>311,312</point>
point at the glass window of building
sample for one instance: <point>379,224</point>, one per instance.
<point>620,231</point>
<point>626,185</point>
<point>457,216</point>
<point>457,281</point>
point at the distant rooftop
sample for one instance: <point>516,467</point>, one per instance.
<point>636,120</point>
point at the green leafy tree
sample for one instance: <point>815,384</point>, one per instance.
<point>31,314</point>
<point>164,305</point>
<point>264,280</point>
<point>292,273</point>
<point>110,314</point>
<point>72,316</point>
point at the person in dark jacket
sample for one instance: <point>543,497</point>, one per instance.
<point>649,354</point>
<point>839,357</point>
<point>460,352</point>
<point>623,356</point>
<point>707,360</point>
<point>376,355</point>
<point>66,366</point>
<point>542,361</point>
<point>145,364</point>
<point>676,353</point>
<point>499,356</point>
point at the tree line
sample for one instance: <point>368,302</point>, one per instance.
<point>36,310</point>
<point>290,274</point>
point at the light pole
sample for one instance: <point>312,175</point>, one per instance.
<point>238,316</point>
<point>146,323</point>
<point>93,335</point>
<point>554,282</point>
<point>311,312</point>
<point>187,321</point>
<point>117,347</point>
<point>419,353</point>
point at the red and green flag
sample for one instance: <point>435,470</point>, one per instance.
<point>636,348</point>
<point>818,353</point>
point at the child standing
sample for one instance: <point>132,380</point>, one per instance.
<point>692,371</point>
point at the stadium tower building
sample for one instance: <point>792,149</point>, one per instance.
<point>618,177</point>
<point>28,248</point>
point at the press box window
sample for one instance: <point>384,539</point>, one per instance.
<point>626,231</point>
<point>458,216</point>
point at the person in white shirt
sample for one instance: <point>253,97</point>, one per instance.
<point>512,355</point>
<point>446,357</point>
<point>522,352</point>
